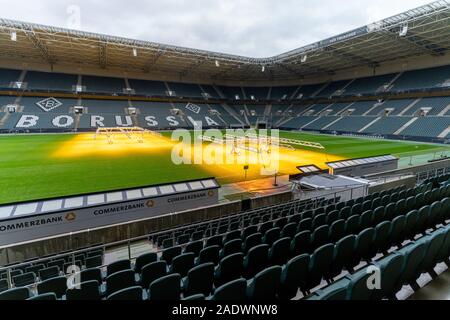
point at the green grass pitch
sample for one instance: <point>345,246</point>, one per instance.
<point>28,171</point>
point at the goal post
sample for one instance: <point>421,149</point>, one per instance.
<point>133,133</point>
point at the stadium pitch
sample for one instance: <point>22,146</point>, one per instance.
<point>44,166</point>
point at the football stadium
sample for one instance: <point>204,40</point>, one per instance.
<point>136,170</point>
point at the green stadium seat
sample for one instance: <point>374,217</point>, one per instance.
<point>332,217</point>
<point>345,213</point>
<point>170,253</point>
<point>389,212</point>
<point>304,225</point>
<point>22,293</point>
<point>430,259</point>
<point>280,251</point>
<point>143,260</point>
<point>391,269</point>
<point>398,230</point>
<point>48,273</point>
<point>94,261</point>
<point>289,230</point>
<point>382,236</point>
<point>44,297</point>
<point>182,264</point>
<point>229,268</point>
<point>151,272</point>
<point>128,294</point>
<point>356,209</point>
<point>199,279</point>
<point>166,288</point>
<point>265,227</point>
<point>357,288</point>
<point>352,225</point>
<point>301,243</point>
<point>264,285</point>
<point>56,285</point>
<point>320,236</point>
<point>235,290</point>
<point>294,276</point>
<point>214,241</point>
<point>91,274</point>
<point>271,236</point>
<point>252,241</point>
<point>232,235</point>
<point>248,231</point>
<point>88,290</point>
<point>337,230</point>
<point>4,285</point>
<point>378,215</point>
<point>364,249</point>
<point>366,219</point>
<point>319,221</point>
<point>119,280</point>
<point>195,247</point>
<point>233,246</point>
<point>209,254</point>
<point>344,251</point>
<point>410,224</point>
<point>255,260</point>
<point>320,265</point>
<point>25,279</point>
<point>435,214</point>
<point>414,255</point>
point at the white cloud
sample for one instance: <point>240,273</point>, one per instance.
<point>258,28</point>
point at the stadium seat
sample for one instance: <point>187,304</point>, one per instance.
<point>271,236</point>
<point>143,260</point>
<point>364,245</point>
<point>410,223</point>
<point>255,260</point>
<point>294,276</point>
<point>398,230</point>
<point>320,265</point>
<point>195,247</point>
<point>382,236</point>
<point>235,290</point>
<point>357,288</point>
<point>131,293</point>
<point>88,290</point>
<point>56,285</point>
<point>232,235</point>
<point>209,254</point>
<point>344,251</point>
<point>119,280</point>
<point>21,293</point>
<point>214,241</point>
<point>365,219</point>
<point>44,297</point>
<point>151,272</point>
<point>233,246</point>
<point>182,264</point>
<point>414,255</point>
<point>304,225</point>
<point>280,251</point>
<point>320,236</point>
<point>229,268</point>
<point>289,230</point>
<point>301,243</point>
<point>91,274</point>
<point>252,241</point>
<point>170,253</point>
<point>199,279</point>
<point>94,261</point>
<point>337,230</point>
<point>4,285</point>
<point>264,285</point>
<point>48,273</point>
<point>24,279</point>
<point>391,269</point>
<point>166,288</point>
<point>352,225</point>
<point>118,266</point>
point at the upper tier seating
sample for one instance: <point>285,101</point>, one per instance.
<point>427,127</point>
<point>368,85</point>
<point>420,79</point>
<point>7,76</point>
<point>147,87</point>
<point>103,84</point>
<point>361,107</point>
<point>185,89</point>
<point>282,93</point>
<point>332,88</point>
<point>50,81</point>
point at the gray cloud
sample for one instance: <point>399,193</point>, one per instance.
<point>257,28</point>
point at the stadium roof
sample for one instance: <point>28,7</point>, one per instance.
<point>418,32</point>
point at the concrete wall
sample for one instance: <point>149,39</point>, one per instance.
<point>110,234</point>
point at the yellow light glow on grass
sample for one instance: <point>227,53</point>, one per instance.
<point>82,145</point>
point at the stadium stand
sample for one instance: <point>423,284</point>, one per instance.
<point>427,127</point>
<point>387,125</point>
<point>185,89</point>
<point>148,88</point>
<point>368,85</point>
<point>103,84</point>
<point>350,124</point>
<point>422,79</point>
<point>282,93</point>
<point>50,81</point>
<point>361,107</point>
<point>296,249</point>
<point>8,76</point>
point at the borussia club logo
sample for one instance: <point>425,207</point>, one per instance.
<point>150,203</point>
<point>48,104</point>
<point>193,107</point>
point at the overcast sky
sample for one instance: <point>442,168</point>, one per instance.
<point>257,28</point>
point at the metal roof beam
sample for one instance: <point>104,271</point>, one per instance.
<point>102,54</point>
<point>416,42</point>
<point>38,44</point>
